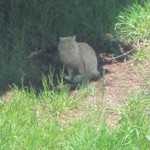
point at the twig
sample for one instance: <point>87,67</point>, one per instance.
<point>124,54</point>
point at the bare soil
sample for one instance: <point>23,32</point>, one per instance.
<point>112,90</point>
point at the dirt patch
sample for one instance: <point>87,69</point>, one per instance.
<point>121,79</point>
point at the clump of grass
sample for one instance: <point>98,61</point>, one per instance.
<point>56,97</point>
<point>26,122</point>
<point>142,55</point>
<point>31,121</point>
<point>133,22</point>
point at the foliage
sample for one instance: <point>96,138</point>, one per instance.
<point>28,121</point>
<point>31,25</point>
<point>134,22</point>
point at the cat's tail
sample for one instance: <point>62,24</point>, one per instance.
<point>94,75</point>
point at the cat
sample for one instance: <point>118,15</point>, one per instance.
<point>80,59</point>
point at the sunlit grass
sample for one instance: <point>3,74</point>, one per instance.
<point>31,121</point>
<point>142,55</point>
<point>134,22</point>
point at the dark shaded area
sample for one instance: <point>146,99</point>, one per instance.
<point>42,60</point>
<point>30,31</point>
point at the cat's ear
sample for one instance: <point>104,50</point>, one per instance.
<point>74,37</point>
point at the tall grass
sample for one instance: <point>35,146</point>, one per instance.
<point>43,22</point>
<point>27,26</point>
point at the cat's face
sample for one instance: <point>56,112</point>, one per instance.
<point>67,43</point>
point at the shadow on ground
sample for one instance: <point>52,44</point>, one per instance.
<point>38,64</point>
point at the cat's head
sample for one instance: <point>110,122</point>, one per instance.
<point>67,43</point>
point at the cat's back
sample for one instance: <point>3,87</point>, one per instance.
<point>86,49</point>
<point>89,58</point>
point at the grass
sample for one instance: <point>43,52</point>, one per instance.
<point>142,54</point>
<point>133,22</point>
<point>29,26</point>
<point>28,121</point>
<point>31,121</point>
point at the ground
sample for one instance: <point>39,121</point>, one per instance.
<point>120,80</point>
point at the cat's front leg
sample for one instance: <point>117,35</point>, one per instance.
<point>80,76</point>
<point>70,72</point>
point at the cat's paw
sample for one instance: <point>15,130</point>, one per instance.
<point>77,79</point>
